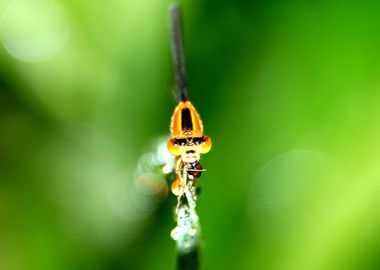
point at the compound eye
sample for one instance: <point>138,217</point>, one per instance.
<point>181,142</point>
<point>206,145</point>
<point>173,147</point>
<point>198,141</point>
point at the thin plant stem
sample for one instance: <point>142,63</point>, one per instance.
<point>178,54</point>
<point>187,231</point>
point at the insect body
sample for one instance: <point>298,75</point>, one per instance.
<point>187,143</point>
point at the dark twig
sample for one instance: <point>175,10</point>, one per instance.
<point>188,238</point>
<point>188,261</point>
<point>178,53</point>
<point>187,231</point>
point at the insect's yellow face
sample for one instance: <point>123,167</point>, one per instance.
<point>190,152</point>
<point>190,149</point>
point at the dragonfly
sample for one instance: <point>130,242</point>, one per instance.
<point>187,144</point>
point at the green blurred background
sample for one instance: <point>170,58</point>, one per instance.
<point>288,91</point>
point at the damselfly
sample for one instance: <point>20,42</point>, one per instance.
<point>187,143</point>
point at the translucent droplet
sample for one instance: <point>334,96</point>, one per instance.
<point>176,187</point>
<point>167,168</point>
<point>174,234</point>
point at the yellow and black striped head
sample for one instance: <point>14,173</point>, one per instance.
<point>187,133</point>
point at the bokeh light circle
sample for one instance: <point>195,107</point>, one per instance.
<point>285,191</point>
<point>34,30</point>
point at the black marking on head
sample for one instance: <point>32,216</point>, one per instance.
<point>198,140</point>
<point>187,123</point>
<point>181,142</point>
